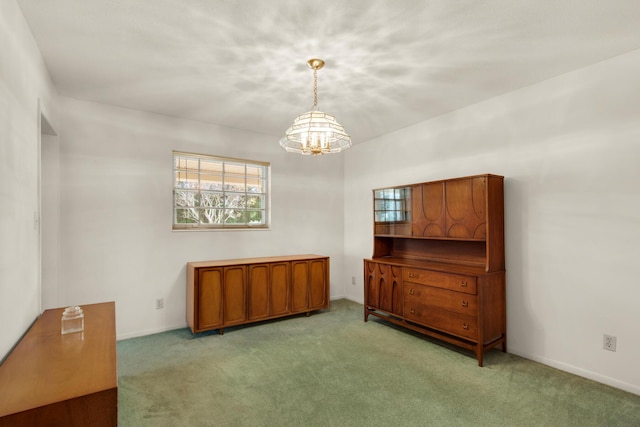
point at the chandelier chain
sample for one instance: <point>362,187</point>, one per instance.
<point>315,89</point>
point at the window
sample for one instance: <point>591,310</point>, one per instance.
<point>219,193</point>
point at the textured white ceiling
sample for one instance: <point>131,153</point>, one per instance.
<point>389,63</point>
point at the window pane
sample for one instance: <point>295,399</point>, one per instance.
<point>234,216</point>
<point>186,163</point>
<point>255,171</point>
<point>234,200</point>
<point>211,199</point>
<point>255,185</point>
<point>231,168</point>
<point>255,217</point>
<point>213,216</point>
<point>185,198</point>
<point>211,166</point>
<point>184,216</point>
<point>255,202</point>
<point>210,182</point>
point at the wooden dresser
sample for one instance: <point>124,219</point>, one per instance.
<point>438,265</point>
<point>238,291</point>
<point>51,379</point>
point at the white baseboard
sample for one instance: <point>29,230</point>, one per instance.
<point>357,300</point>
<point>603,379</point>
<point>136,334</point>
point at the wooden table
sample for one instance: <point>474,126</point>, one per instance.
<point>54,379</point>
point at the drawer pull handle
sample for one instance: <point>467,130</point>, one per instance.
<point>465,326</point>
<point>411,291</point>
<point>410,274</point>
<point>412,311</point>
<point>463,284</point>
<point>465,303</point>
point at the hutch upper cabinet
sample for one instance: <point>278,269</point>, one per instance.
<point>438,264</point>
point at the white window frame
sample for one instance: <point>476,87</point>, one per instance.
<point>199,175</point>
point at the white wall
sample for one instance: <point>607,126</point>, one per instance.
<point>116,210</point>
<point>569,149</point>
<point>23,81</point>
<point>50,219</point>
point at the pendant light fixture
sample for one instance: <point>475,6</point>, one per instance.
<point>315,132</point>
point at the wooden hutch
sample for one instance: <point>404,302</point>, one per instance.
<point>438,264</point>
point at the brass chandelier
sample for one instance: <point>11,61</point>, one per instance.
<point>315,132</point>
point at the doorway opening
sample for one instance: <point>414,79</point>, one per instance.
<point>48,216</point>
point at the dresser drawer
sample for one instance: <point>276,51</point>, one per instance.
<point>455,282</point>
<point>459,302</point>
<point>446,321</point>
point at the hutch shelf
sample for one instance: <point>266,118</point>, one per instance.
<point>438,264</point>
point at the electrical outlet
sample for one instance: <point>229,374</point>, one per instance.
<point>353,280</point>
<point>159,303</point>
<point>609,342</point>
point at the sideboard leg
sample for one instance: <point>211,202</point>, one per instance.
<point>308,313</point>
<point>221,331</point>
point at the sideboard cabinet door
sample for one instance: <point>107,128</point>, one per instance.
<point>309,285</point>
<point>318,284</point>
<point>235,295</point>
<point>371,284</point>
<point>384,287</point>
<point>279,295</point>
<point>258,291</point>
<point>209,302</point>
<point>299,286</point>
<point>394,291</point>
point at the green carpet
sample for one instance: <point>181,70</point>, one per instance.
<point>332,369</point>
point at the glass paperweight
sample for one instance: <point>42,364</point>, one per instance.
<point>72,320</point>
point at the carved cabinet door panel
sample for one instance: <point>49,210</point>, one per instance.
<point>279,295</point>
<point>235,294</point>
<point>209,301</point>
<point>466,208</point>
<point>383,287</point>
<point>258,291</point>
<point>371,294</point>
<point>427,210</point>
<point>299,286</point>
<point>396,290</point>
<point>384,284</point>
<point>390,283</point>
<point>318,283</point>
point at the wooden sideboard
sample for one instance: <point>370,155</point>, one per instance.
<point>234,292</point>
<point>54,379</point>
<point>438,265</point>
